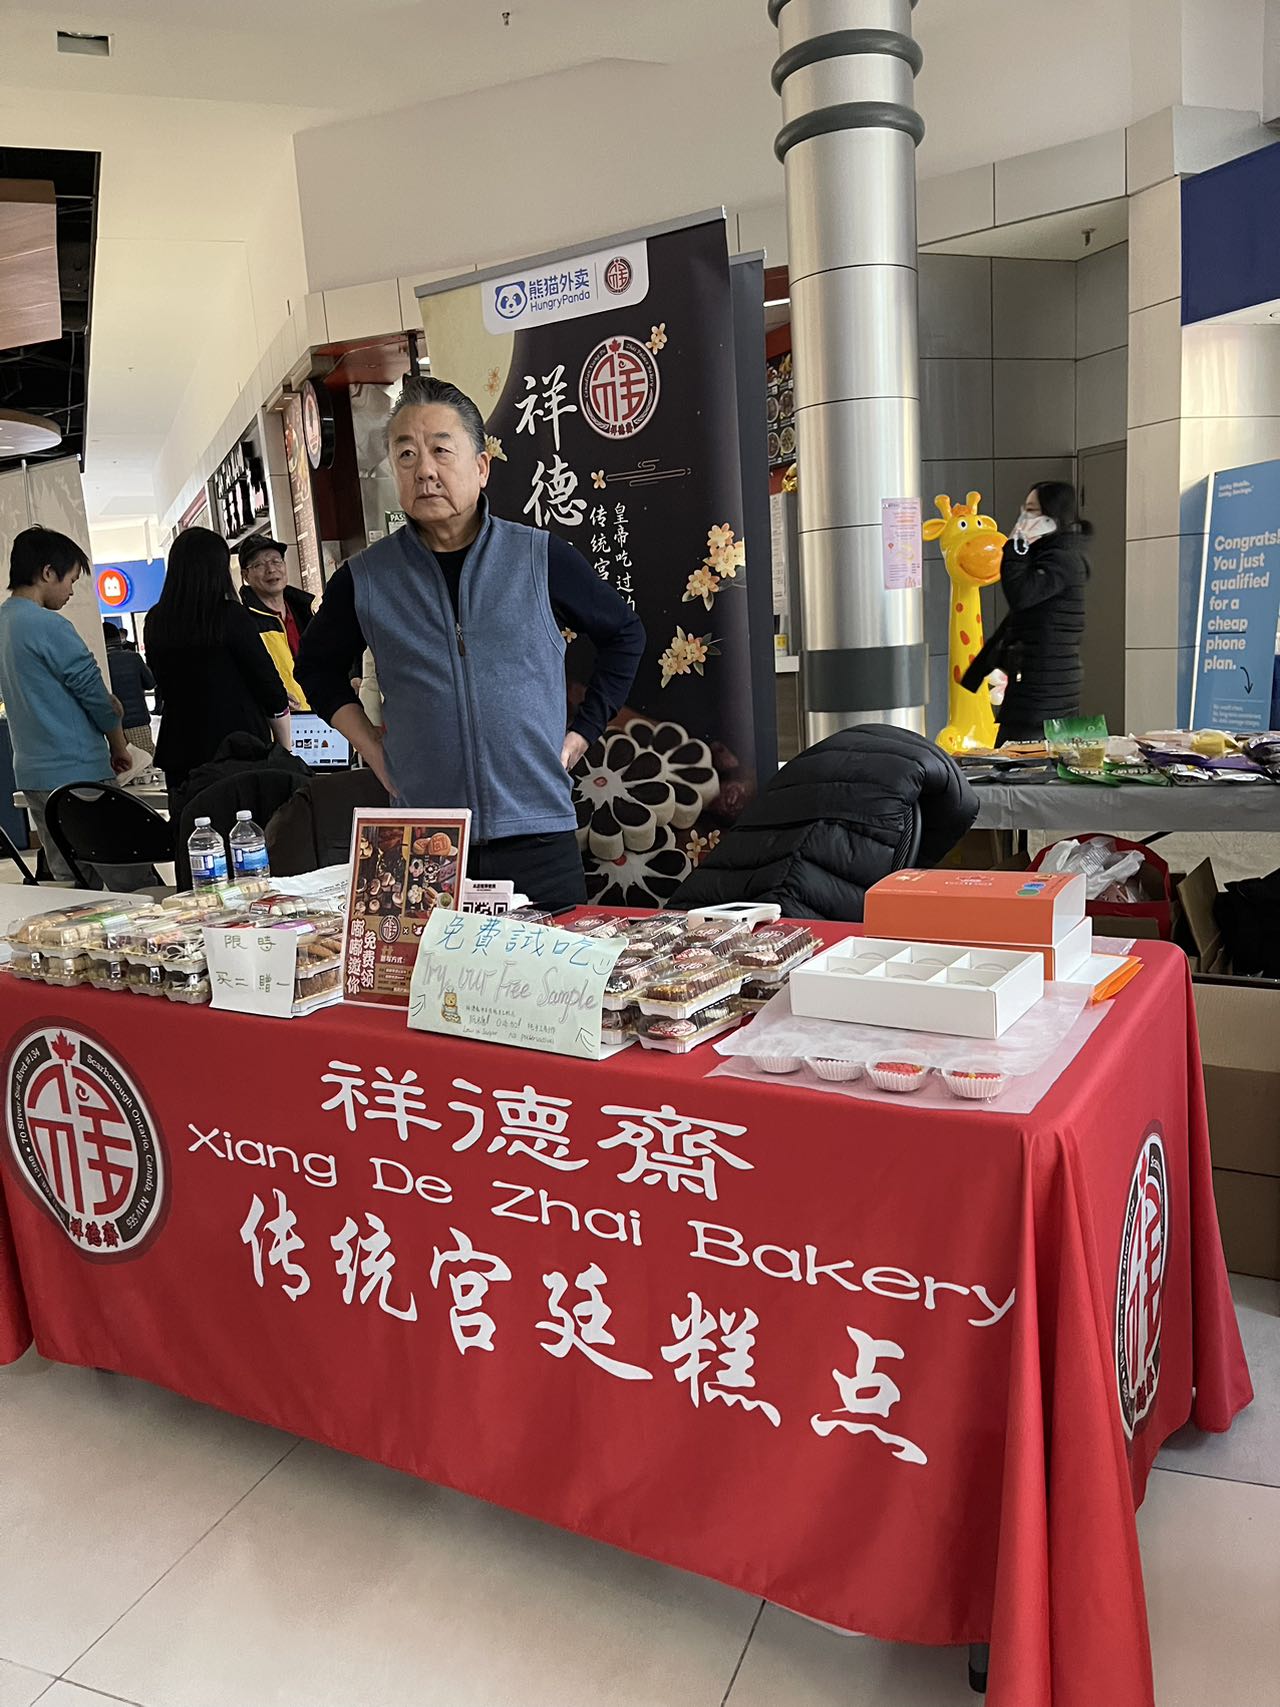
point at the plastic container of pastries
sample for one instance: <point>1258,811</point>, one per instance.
<point>617,1023</point>
<point>631,976</point>
<point>678,1034</point>
<point>79,927</point>
<point>771,952</point>
<point>687,989</point>
<point>718,933</point>
<point>64,966</point>
<point>659,933</point>
<point>221,898</point>
<point>596,924</point>
<point>318,968</point>
<point>187,983</point>
<point>108,969</point>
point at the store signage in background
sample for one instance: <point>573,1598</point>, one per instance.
<point>126,587</point>
<point>613,277</point>
<point>404,865</point>
<point>901,542</point>
<point>1235,666</point>
<point>613,421</point>
<point>239,487</point>
<point>507,981</point>
<point>304,511</point>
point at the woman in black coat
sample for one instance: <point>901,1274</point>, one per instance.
<point>1043,578</point>
<point>208,659</point>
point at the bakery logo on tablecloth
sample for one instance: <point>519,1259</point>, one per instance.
<point>1140,1285</point>
<point>85,1142</point>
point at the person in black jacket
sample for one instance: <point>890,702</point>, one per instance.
<point>1043,578</point>
<point>131,682</point>
<point>209,661</point>
<point>281,612</point>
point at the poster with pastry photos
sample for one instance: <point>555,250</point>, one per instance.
<point>404,865</point>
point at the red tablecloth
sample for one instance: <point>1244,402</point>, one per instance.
<point>902,1371</point>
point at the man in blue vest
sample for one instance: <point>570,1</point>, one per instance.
<point>463,614</point>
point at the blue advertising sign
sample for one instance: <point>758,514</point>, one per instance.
<point>133,586</point>
<point>1239,601</point>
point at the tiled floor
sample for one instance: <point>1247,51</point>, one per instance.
<point>158,1553</point>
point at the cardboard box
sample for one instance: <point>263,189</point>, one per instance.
<point>1239,1020</point>
<point>995,907</point>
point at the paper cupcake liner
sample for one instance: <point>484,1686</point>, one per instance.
<point>903,1083</point>
<point>778,1063</point>
<point>976,1089</point>
<point>837,1072</point>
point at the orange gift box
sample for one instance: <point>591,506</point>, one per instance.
<point>997,907</point>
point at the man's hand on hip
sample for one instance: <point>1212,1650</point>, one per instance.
<point>574,747</point>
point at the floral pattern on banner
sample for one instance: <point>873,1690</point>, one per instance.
<point>634,782</point>
<point>647,878</point>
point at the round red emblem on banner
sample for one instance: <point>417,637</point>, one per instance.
<point>619,388</point>
<point>84,1141</point>
<point>1140,1283</point>
<point>618,275</point>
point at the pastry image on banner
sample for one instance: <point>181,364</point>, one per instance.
<point>616,426</point>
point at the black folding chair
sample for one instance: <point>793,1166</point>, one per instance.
<point>93,823</point>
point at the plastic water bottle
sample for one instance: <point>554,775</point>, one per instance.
<point>207,854</point>
<point>248,848</point>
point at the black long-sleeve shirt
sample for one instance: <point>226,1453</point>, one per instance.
<point>580,601</point>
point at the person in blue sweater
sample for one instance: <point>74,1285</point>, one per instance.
<point>63,721</point>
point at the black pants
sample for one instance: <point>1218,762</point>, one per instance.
<point>548,869</point>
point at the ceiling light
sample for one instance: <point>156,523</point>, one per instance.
<point>83,41</point>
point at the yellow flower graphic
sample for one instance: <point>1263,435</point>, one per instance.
<point>728,560</point>
<point>718,538</point>
<point>657,339</point>
<point>493,382</point>
<point>702,584</point>
<point>597,478</point>
<point>569,635</point>
<point>494,447</point>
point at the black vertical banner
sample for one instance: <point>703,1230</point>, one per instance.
<point>608,384</point>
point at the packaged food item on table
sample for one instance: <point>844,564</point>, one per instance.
<point>977,1086</point>
<point>159,953</point>
<point>716,932</point>
<point>630,976</point>
<point>677,1035</point>
<point>108,968</point>
<point>53,947</point>
<point>689,987</point>
<point>617,1023</point>
<point>897,1074</point>
<point>596,924</point>
<point>183,983</point>
<point>657,934</point>
<point>770,952</point>
<point>318,967</point>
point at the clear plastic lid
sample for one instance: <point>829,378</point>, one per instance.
<point>77,927</point>
<point>595,924</point>
<point>716,932</point>
<point>688,1028</point>
<point>684,991</point>
<point>775,946</point>
<point>637,975</point>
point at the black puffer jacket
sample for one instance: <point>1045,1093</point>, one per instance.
<point>834,821</point>
<point>1038,643</point>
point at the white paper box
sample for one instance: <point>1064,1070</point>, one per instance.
<point>919,986</point>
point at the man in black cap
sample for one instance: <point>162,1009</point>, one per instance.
<point>281,612</point>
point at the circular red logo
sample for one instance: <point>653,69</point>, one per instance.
<point>618,391</point>
<point>84,1141</point>
<point>113,587</point>
<point>1140,1284</point>
<point>618,275</point>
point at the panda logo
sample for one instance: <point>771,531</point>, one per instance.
<point>511,299</point>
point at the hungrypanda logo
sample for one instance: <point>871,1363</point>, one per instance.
<point>511,299</point>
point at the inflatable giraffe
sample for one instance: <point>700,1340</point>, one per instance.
<point>971,546</point>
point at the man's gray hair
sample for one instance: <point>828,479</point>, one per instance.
<point>423,390</point>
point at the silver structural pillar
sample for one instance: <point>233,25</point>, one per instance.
<point>848,141</point>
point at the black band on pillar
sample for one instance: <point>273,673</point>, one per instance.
<point>849,115</point>
<point>775,9</point>
<point>840,44</point>
<point>866,678</point>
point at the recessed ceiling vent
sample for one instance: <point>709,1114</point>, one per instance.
<point>79,41</point>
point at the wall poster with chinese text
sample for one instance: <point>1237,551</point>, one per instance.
<point>608,387</point>
<point>404,864</point>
